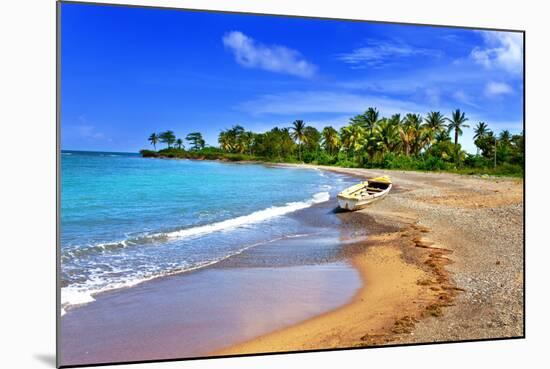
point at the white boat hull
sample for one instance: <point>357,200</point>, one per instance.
<point>358,204</point>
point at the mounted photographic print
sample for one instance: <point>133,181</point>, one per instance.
<point>234,184</point>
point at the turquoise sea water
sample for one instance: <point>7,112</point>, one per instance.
<point>126,219</point>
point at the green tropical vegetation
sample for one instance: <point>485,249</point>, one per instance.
<point>154,139</point>
<point>409,142</point>
<point>168,138</point>
<point>196,141</point>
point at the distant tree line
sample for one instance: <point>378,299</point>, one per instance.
<point>369,140</point>
<point>169,138</point>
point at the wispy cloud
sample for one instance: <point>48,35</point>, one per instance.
<point>464,98</point>
<point>88,131</point>
<point>498,88</point>
<point>502,50</point>
<point>377,53</point>
<point>465,84</point>
<point>275,58</point>
<point>316,102</point>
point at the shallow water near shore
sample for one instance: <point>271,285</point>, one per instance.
<point>267,265</point>
<point>192,315</point>
<point>125,219</point>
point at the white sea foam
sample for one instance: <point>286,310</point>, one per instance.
<point>226,225</point>
<point>255,217</point>
<point>84,293</point>
<point>75,296</point>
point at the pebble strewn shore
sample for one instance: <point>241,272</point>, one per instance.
<point>481,221</point>
<point>442,260</point>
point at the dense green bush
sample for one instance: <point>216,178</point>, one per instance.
<point>475,161</point>
<point>149,154</point>
<point>172,153</point>
<point>507,169</point>
<point>432,163</point>
<point>309,157</point>
<point>326,159</point>
<point>393,161</point>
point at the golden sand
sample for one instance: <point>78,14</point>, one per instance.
<point>404,274</point>
<point>395,294</point>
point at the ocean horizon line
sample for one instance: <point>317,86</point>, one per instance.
<point>98,151</point>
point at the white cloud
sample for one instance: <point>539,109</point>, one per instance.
<point>502,50</point>
<point>433,96</point>
<point>88,131</point>
<point>433,83</point>
<point>464,98</point>
<point>315,102</point>
<point>274,58</point>
<point>498,88</point>
<point>376,53</point>
<point>82,129</point>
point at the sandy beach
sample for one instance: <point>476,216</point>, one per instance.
<point>439,259</point>
<point>443,262</point>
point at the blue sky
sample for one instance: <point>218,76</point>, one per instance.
<point>128,72</point>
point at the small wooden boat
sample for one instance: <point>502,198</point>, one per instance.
<point>360,195</point>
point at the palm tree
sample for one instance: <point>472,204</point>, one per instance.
<point>331,141</point>
<point>487,144</point>
<point>237,134</point>
<point>367,120</point>
<point>154,139</point>
<point>435,121</point>
<point>411,134</point>
<point>353,138</point>
<point>298,134</point>
<point>456,123</point>
<point>168,138</point>
<point>480,131</point>
<point>224,140</point>
<point>387,134</point>
<point>396,119</point>
<point>442,136</point>
<point>287,143</point>
<point>179,143</point>
<point>505,137</point>
<point>196,140</point>
<point>247,139</point>
<point>312,140</point>
<point>371,119</point>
